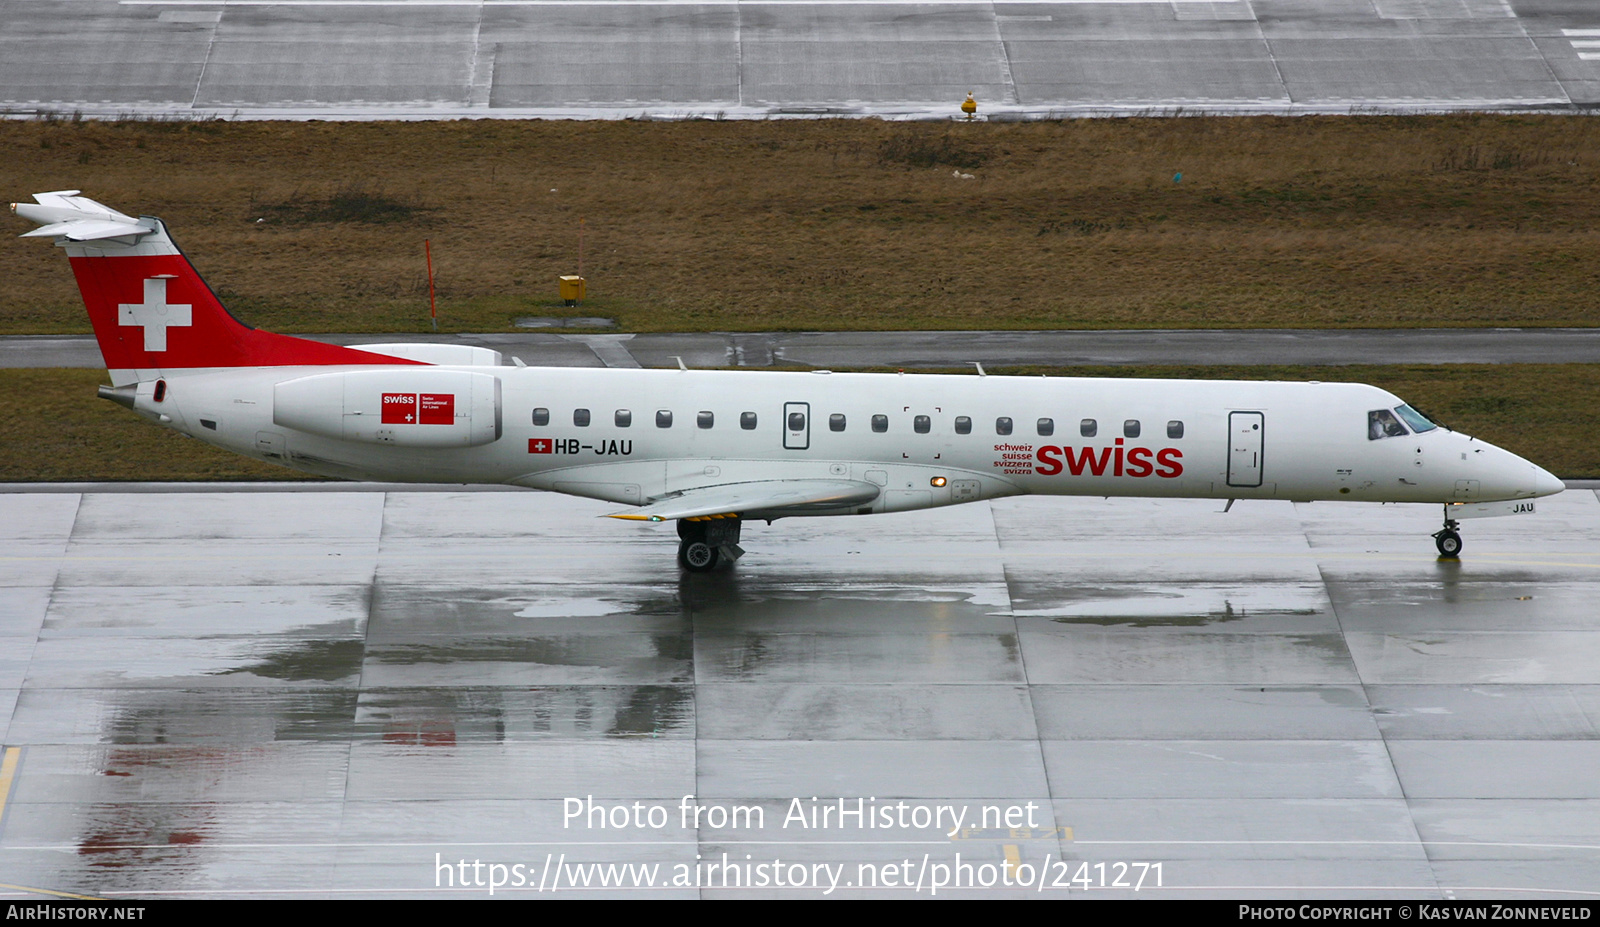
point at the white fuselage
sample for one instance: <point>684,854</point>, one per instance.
<point>1177,438</point>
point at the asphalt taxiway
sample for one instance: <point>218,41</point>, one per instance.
<point>338,690</point>
<point>957,349</point>
<point>352,59</point>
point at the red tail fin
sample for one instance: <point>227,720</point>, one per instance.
<point>150,310</point>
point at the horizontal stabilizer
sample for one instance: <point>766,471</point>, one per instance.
<point>760,496</point>
<point>87,230</point>
<point>65,214</point>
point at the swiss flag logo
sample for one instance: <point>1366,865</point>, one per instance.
<point>399,409</point>
<point>538,445</point>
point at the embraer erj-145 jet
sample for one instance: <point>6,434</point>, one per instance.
<point>711,449</point>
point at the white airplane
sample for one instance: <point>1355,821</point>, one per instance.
<point>712,449</point>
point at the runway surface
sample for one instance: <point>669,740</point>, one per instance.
<point>958,349</point>
<point>346,59</point>
<point>332,691</point>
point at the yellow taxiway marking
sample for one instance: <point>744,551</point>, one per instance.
<point>1013,858</point>
<point>46,891</point>
<point>8,771</point>
<point>8,775</point>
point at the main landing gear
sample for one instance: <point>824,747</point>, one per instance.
<point>1447,539</point>
<point>704,544</point>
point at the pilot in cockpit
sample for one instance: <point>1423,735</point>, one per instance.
<point>1381,423</point>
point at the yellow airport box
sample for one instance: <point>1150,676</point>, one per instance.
<point>571,289</point>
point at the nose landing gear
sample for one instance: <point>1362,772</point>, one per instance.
<point>704,544</point>
<point>1447,539</point>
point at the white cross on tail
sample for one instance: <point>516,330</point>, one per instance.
<point>154,315</point>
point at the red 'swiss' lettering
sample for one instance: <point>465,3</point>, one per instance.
<point>1049,464</point>
<point>1168,458</point>
<point>399,408</point>
<point>1085,456</point>
<point>1133,461</point>
<point>415,409</point>
<point>1139,461</point>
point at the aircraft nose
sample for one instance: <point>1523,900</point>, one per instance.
<point>1545,482</point>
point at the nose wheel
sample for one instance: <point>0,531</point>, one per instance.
<point>1448,540</point>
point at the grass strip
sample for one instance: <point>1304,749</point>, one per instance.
<point>1209,222</point>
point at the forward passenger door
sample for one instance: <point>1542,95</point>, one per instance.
<point>1245,448</point>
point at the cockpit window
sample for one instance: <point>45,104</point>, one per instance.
<point>1418,422</point>
<point>1381,423</point>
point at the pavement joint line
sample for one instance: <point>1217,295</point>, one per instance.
<point>474,556</point>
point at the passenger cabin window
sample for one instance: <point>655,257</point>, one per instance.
<point>580,418</point>
<point>1381,423</point>
<point>963,425</point>
<point>1046,426</point>
<point>1088,428</point>
<point>880,423</point>
<point>541,416</point>
<point>624,418</point>
<point>921,424</point>
<point>705,420</point>
<point>663,419</point>
<point>747,421</point>
<point>797,421</point>
<point>1174,429</point>
<point>836,422</point>
<point>1002,425</point>
<point>1130,428</point>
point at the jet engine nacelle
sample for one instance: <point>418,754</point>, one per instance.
<point>407,407</point>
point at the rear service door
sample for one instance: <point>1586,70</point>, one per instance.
<point>1245,430</point>
<point>797,425</point>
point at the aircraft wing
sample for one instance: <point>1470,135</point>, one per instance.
<point>774,496</point>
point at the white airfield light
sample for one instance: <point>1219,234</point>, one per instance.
<point>712,449</point>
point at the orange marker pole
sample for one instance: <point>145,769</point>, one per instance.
<point>433,308</point>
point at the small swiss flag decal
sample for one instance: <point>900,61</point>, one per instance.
<point>538,445</point>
